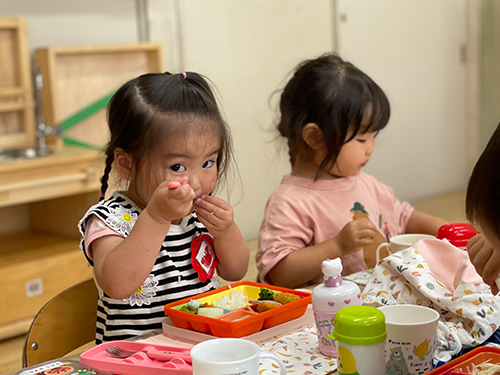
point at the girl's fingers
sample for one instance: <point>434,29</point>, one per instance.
<point>491,268</point>
<point>210,216</point>
<point>210,202</point>
<point>365,224</point>
<point>366,234</point>
<point>180,190</point>
<point>481,259</point>
<point>215,206</point>
<point>473,246</point>
<point>365,241</point>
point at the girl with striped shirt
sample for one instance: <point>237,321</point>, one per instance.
<point>165,237</point>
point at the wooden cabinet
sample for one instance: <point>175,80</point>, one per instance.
<point>41,202</point>
<point>78,82</point>
<point>17,121</point>
<point>43,198</point>
<point>69,171</point>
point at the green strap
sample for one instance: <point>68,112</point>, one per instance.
<point>68,141</point>
<point>85,112</point>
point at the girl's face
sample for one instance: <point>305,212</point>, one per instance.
<point>354,155</point>
<point>194,156</point>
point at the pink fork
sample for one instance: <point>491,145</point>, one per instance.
<point>158,355</point>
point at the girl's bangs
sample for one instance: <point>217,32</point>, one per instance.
<point>381,110</point>
<point>369,108</point>
<point>166,126</point>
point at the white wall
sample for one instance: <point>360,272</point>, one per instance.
<point>62,22</point>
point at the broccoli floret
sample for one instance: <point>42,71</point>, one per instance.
<point>191,307</point>
<point>266,294</point>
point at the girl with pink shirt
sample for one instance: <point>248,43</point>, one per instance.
<point>331,113</point>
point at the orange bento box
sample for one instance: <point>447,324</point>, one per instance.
<point>240,322</point>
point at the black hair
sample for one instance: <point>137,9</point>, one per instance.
<point>335,95</point>
<point>482,203</point>
<point>149,108</point>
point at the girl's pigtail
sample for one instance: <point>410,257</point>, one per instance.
<point>105,176</point>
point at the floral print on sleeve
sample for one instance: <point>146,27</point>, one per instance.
<point>145,293</point>
<point>121,219</point>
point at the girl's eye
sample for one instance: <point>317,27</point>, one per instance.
<point>208,164</point>
<point>178,168</point>
<point>361,140</point>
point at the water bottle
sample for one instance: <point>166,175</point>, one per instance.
<point>360,333</point>
<point>328,298</point>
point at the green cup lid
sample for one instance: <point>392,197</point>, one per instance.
<point>359,325</point>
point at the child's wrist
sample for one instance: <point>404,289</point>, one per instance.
<point>157,218</point>
<point>228,232</point>
<point>336,247</point>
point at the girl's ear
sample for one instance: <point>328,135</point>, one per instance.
<point>313,136</point>
<point>123,163</point>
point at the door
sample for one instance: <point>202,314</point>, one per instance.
<point>414,50</point>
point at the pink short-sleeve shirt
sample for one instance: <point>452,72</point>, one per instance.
<point>302,213</point>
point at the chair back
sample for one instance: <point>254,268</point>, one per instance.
<point>65,323</point>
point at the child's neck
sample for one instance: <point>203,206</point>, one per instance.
<point>309,169</point>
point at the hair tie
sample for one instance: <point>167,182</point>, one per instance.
<point>102,195</point>
<point>184,74</point>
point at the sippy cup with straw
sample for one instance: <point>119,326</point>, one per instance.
<point>360,334</point>
<point>328,298</point>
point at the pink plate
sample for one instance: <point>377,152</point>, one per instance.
<point>138,363</point>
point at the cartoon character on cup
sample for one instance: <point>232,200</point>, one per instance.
<point>396,365</point>
<point>346,362</point>
<point>422,349</point>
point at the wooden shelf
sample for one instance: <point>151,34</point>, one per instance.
<point>43,198</point>
<point>14,106</point>
<point>39,254</point>
<point>35,245</point>
<point>8,92</point>
<point>34,267</point>
<point>17,115</point>
<point>76,77</point>
<point>72,170</point>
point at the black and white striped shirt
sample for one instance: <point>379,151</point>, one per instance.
<point>172,277</point>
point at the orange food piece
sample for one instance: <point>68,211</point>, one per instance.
<point>265,306</point>
<point>285,298</point>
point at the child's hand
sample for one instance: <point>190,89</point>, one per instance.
<point>355,235</point>
<point>485,258</point>
<point>171,200</point>
<point>215,214</point>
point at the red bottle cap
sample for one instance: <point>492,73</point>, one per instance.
<point>457,233</point>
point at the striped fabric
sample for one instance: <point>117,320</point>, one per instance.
<point>172,277</point>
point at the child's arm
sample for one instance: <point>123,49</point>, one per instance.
<point>122,264</point>
<point>231,249</point>
<point>424,223</point>
<point>304,265</point>
<point>485,258</point>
